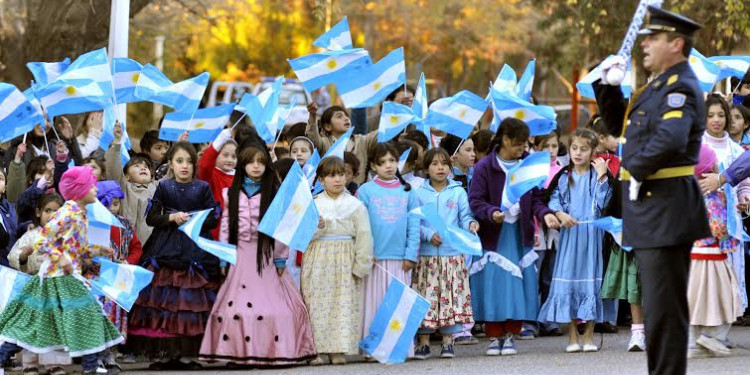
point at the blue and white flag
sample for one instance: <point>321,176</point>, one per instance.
<point>506,80</point>
<point>263,110</point>
<point>13,282</point>
<point>309,170</point>
<point>17,115</point>
<point>292,217</point>
<point>319,69</point>
<point>586,85</point>
<point>530,173</point>
<point>458,114</point>
<point>395,324</point>
<point>121,283</point>
<point>31,97</point>
<point>125,73</point>
<point>336,38</point>
<point>541,119</point>
<point>526,82</point>
<point>420,108</point>
<point>394,118</point>
<point>402,160</point>
<point>63,97</point>
<point>706,70</point>
<point>613,226</point>
<point>734,217</point>
<point>370,85</point>
<point>339,147</point>
<point>184,96</point>
<point>202,125</point>
<point>91,66</point>
<point>46,72</point>
<point>452,236</point>
<point>100,223</point>
<point>221,250</point>
<point>732,66</point>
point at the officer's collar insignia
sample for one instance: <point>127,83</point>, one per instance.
<point>676,100</point>
<point>672,79</point>
<point>656,84</point>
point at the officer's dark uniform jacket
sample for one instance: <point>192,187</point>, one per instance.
<point>663,125</point>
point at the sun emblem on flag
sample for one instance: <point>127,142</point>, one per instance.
<point>200,124</point>
<point>122,285</point>
<point>135,77</point>
<point>463,113</point>
<point>693,59</point>
<point>512,178</point>
<point>520,114</point>
<point>331,64</point>
<point>377,86</point>
<point>395,325</point>
<point>720,63</point>
<point>297,208</point>
<point>70,90</point>
<point>394,119</point>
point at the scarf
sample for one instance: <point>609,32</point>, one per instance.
<point>250,187</point>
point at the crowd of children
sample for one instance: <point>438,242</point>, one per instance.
<point>543,262</point>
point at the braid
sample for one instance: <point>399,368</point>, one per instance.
<point>407,186</point>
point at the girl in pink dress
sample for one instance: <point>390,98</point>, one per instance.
<point>258,317</point>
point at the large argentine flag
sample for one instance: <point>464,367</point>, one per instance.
<point>454,237</point>
<point>183,96</point>
<point>13,282</point>
<point>586,85</point>
<point>319,69</point>
<point>732,66</point>
<point>541,119</point>
<point>393,120</point>
<point>119,282</point>
<point>74,96</point>
<point>395,324</point>
<point>46,72</point>
<point>457,114</point>
<point>17,114</point>
<point>202,125</point>
<point>221,250</point>
<point>337,38</point>
<point>292,217</point>
<point>125,73</point>
<point>369,85</point>
<point>530,173</point>
<point>706,70</point>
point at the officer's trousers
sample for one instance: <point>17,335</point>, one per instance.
<point>664,277</point>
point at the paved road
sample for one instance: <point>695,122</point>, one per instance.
<point>541,356</point>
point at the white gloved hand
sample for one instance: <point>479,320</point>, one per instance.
<point>633,189</point>
<point>222,138</point>
<point>515,209</point>
<point>613,69</point>
<point>42,183</point>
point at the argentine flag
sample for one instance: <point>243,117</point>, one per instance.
<point>337,38</point>
<point>369,85</point>
<point>46,72</point>
<point>31,97</point>
<point>506,80</point>
<point>309,170</point>
<point>125,73</point>
<point>420,106</point>
<point>221,250</point>
<point>586,85</point>
<point>263,110</point>
<point>394,118</point>
<point>339,147</point>
<point>613,226</point>
<point>732,66</point>
<point>292,217</point>
<point>93,65</point>
<point>457,114</point>
<point>63,97</point>
<point>526,83</point>
<point>541,119</point>
<point>452,236</point>
<point>100,221</point>
<point>120,282</point>
<point>706,70</point>
<point>13,282</point>
<point>530,173</point>
<point>395,324</point>
<point>184,96</point>
<point>319,69</point>
<point>17,115</point>
<point>402,160</point>
<point>202,125</point>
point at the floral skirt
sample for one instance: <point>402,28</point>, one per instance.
<point>444,282</point>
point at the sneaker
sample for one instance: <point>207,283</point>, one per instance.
<point>715,346</point>
<point>494,348</point>
<point>57,370</point>
<point>478,331</point>
<point>422,352</point>
<point>573,348</point>
<point>100,370</point>
<point>446,351</point>
<point>588,348</point>
<point>465,340</point>
<point>698,352</point>
<point>509,346</point>
<point>637,341</point>
<point>526,335</point>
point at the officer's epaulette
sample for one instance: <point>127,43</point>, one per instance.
<point>672,79</point>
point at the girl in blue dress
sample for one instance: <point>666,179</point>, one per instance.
<point>578,195</point>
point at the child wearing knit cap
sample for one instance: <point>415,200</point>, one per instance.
<point>54,309</point>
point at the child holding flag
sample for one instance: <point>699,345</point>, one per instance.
<point>216,166</point>
<point>55,310</point>
<point>441,275</point>
<point>336,261</point>
<point>579,193</point>
<point>169,318</point>
<point>259,317</point>
<point>503,281</point>
<point>388,199</point>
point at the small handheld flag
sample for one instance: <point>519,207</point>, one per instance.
<point>731,66</point>
<point>46,72</point>
<point>319,69</point>
<point>17,114</point>
<point>337,38</point>
<point>370,85</point>
<point>506,80</point>
<point>63,97</point>
<point>526,82</point>
<point>458,114</point>
<point>125,74</point>
<point>183,96</point>
<point>339,147</point>
<point>541,119</point>
<point>13,282</point>
<point>311,166</point>
<point>221,250</point>
<point>202,126</point>
<point>706,70</point>
<point>402,160</point>
<point>613,226</point>
<point>91,66</point>
<point>586,85</point>
<point>420,105</point>
<point>530,173</point>
<point>454,237</point>
<point>394,118</point>
<point>263,110</point>
<point>119,282</point>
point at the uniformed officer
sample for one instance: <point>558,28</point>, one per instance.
<point>662,207</point>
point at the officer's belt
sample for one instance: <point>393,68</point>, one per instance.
<point>671,172</point>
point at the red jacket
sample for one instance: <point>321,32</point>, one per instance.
<point>614,162</point>
<point>217,179</point>
<point>135,250</point>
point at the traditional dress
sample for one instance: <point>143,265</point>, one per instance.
<point>258,319</point>
<point>333,266</point>
<point>169,318</point>
<point>577,277</point>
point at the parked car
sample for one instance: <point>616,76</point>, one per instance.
<point>227,92</point>
<point>290,89</point>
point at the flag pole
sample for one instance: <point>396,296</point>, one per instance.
<point>238,120</point>
<point>458,148</point>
